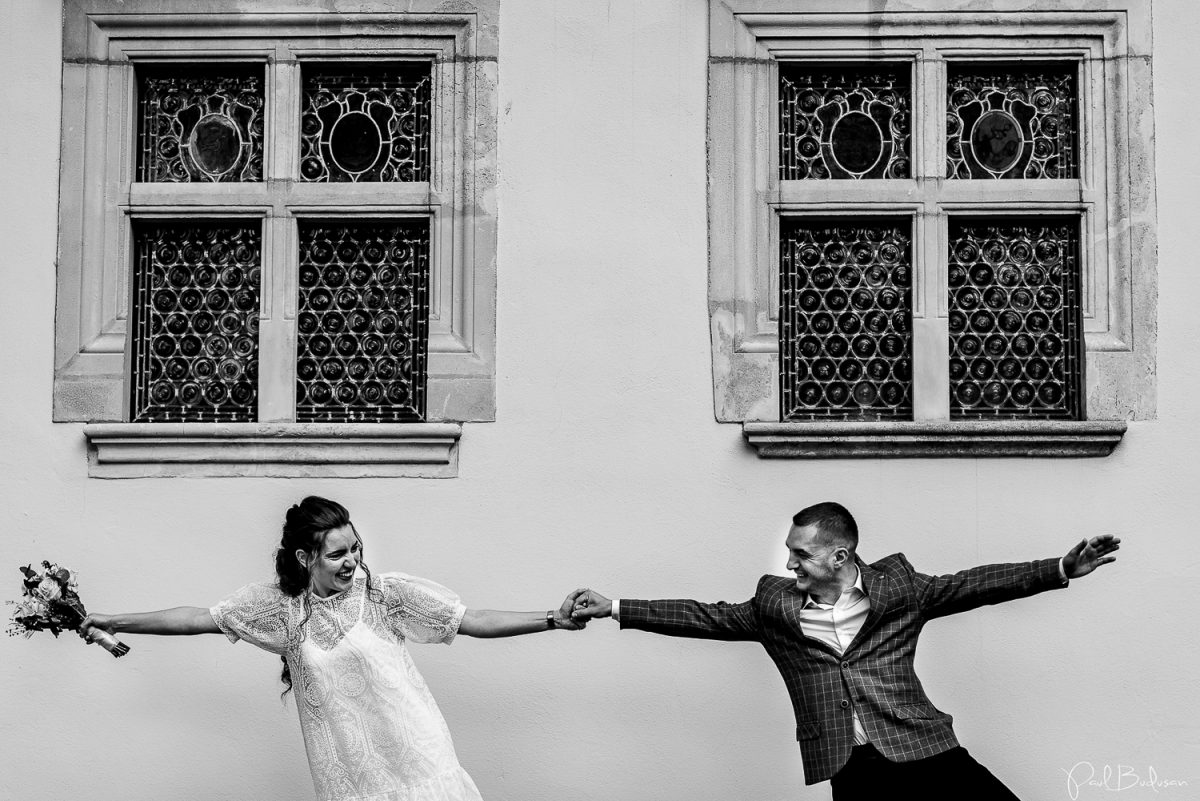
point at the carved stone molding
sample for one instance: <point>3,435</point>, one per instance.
<point>290,450</point>
<point>972,440</point>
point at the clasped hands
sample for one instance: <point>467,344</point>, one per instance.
<point>580,607</point>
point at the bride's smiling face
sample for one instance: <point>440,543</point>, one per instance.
<point>332,571</point>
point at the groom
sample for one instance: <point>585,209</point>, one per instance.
<point>843,634</point>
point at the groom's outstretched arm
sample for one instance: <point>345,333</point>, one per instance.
<point>991,584</point>
<point>676,617</point>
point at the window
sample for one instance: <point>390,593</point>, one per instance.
<point>277,237</point>
<point>926,236</point>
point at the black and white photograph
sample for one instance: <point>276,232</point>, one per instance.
<point>531,400</point>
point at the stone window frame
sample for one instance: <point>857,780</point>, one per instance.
<point>103,40</point>
<point>1114,195</point>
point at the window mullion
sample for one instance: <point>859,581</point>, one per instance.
<point>931,328</point>
<point>277,332</point>
<point>283,118</point>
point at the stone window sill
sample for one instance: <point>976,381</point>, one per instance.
<point>975,439</point>
<point>285,450</point>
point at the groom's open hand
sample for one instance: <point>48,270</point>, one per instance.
<point>1090,554</point>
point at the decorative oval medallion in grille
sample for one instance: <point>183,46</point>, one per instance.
<point>200,123</point>
<point>366,122</point>
<point>845,319</point>
<point>363,322</point>
<point>195,317</point>
<point>1012,120</point>
<point>843,121</point>
<point>1016,337</point>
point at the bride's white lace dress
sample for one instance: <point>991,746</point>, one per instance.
<point>371,727</point>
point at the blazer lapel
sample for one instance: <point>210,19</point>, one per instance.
<point>879,591</point>
<point>793,602</point>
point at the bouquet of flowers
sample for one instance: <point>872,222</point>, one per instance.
<point>51,603</point>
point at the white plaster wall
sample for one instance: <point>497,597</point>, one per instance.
<point>605,468</point>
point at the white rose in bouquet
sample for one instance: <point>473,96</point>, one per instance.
<point>49,590</point>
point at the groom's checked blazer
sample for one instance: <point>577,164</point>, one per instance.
<point>875,675</point>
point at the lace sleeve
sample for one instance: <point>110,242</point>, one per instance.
<point>421,610</point>
<point>257,613</point>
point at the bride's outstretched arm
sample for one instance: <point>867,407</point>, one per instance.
<point>494,623</point>
<point>180,620</point>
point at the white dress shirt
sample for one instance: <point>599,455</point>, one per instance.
<point>837,624</point>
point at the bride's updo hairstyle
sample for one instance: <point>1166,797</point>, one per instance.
<point>304,529</point>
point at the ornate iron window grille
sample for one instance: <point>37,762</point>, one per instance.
<point>845,314</point>
<point>363,321</point>
<point>195,318</point>
<point>1016,333</point>
<point>1017,120</point>
<point>366,122</point>
<point>200,123</point>
<point>844,121</point>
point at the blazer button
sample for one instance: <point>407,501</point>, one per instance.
<point>845,703</point>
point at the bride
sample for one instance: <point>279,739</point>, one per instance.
<point>371,727</point>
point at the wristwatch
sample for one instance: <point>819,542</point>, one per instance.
<point>550,620</point>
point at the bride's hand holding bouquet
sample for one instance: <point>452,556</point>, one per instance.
<point>50,602</point>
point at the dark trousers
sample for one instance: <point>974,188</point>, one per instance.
<point>949,776</point>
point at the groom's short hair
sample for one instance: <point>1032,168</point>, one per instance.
<point>834,522</point>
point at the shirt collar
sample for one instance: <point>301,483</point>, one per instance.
<point>857,585</point>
